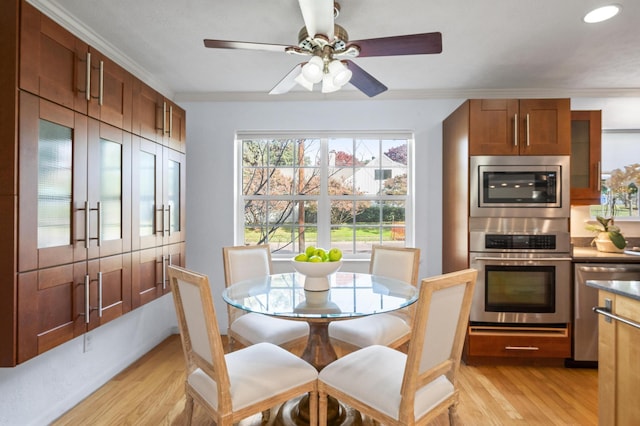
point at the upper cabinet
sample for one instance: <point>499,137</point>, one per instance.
<point>519,127</point>
<point>586,152</point>
<point>57,66</point>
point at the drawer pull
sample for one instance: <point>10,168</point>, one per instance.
<point>522,348</point>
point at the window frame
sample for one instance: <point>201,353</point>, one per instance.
<point>323,199</point>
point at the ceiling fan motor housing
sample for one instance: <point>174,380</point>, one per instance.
<point>339,42</point>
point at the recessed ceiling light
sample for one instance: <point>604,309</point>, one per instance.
<point>602,14</point>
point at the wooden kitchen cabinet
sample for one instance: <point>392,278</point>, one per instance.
<point>71,191</point>
<point>486,342</point>
<point>53,62</point>
<point>58,66</point>
<point>586,154</point>
<point>53,302</point>
<point>75,186</point>
<point>519,127</point>
<point>110,91</point>
<point>618,362</point>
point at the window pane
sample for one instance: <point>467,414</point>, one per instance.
<point>110,190</point>
<point>54,184</point>
<point>147,170</point>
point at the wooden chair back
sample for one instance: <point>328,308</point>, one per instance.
<point>401,263</point>
<point>201,340</point>
<point>243,263</point>
<point>438,334</point>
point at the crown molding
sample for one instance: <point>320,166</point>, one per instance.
<point>351,95</point>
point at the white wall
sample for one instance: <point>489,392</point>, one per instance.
<point>211,127</point>
<point>40,390</point>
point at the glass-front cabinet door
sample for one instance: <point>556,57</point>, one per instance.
<point>109,191</point>
<point>53,152</point>
<point>146,188</point>
<point>172,219</point>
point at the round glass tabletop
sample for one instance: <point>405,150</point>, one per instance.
<point>350,295</point>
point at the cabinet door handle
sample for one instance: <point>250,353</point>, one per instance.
<point>164,118</point>
<point>86,238</point>
<point>88,83</point>
<point>522,348</point>
<point>98,210</point>
<point>599,176</point>
<point>100,294</point>
<point>515,130</point>
<point>161,210</point>
<point>87,306</point>
<point>170,121</point>
<point>169,221</point>
<point>606,311</point>
<point>164,272</point>
<point>101,88</point>
<point>527,130</point>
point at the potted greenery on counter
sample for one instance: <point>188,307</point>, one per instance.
<point>609,238</point>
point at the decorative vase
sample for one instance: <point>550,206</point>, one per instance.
<point>604,244</point>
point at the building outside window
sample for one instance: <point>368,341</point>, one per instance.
<point>345,191</point>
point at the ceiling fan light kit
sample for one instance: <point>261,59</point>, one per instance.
<point>331,51</point>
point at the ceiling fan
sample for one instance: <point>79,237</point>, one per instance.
<point>328,46</point>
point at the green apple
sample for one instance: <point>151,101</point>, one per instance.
<point>302,257</point>
<point>315,259</point>
<point>310,250</point>
<point>335,254</point>
<point>321,253</point>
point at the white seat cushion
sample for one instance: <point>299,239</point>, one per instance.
<point>379,329</point>
<point>255,373</point>
<point>258,328</point>
<point>374,376</point>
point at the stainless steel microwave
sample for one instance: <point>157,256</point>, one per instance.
<point>519,186</point>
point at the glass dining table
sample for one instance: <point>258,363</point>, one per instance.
<point>350,295</point>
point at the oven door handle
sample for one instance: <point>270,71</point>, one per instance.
<point>520,259</point>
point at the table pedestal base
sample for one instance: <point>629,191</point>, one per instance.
<point>296,412</point>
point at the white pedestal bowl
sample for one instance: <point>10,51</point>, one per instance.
<point>316,273</point>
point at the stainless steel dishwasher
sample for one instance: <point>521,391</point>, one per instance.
<point>585,321</point>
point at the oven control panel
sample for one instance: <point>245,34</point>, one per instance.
<point>520,242</point>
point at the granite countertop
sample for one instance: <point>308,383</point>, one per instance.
<point>630,289</point>
<point>590,254</point>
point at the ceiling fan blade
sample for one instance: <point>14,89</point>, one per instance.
<point>364,81</point>
<point>226,44</point>
<point>318,17</point>
<point>413,44</point>
<point>288,82</point>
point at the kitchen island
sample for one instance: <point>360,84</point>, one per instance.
<point>619,351</point>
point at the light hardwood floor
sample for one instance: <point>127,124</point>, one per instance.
<point>151,392</point>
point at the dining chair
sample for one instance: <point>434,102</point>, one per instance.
<point>394,388</point>
<point>248,328</point>
<point>239,384</point>
<point>391,329</point>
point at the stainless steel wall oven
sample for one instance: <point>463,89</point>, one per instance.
<point>524,271</point>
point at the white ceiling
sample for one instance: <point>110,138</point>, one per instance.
<point>506,48</point>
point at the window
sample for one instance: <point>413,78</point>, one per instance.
<point>620,174</point>
<point>347,192</point>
